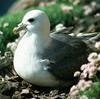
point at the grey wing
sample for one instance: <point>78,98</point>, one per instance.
<point>68,54</point>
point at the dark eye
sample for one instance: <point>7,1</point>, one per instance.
<point>31,20</point>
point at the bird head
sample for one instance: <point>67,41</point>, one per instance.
<point>34,21</point>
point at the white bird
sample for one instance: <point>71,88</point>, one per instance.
<point>46,59</point>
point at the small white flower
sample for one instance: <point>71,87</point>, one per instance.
<point>81,83</point>
<point>1,33</point>
<point>9,45</point>
<point>66,8</point>
<point>5,24</point>
<point>59,27</point>
<point>17,40</point>
<point>97,45</point>
<point>98,68</point>
<point>83,67</point>
<point>77,74</point>
<point>73,88</point>
<point>0,54</point>
<point>93,3</point>
<point>92,57</point>
<point>12,46</point>
<point>83,97</point>
<point>74,93</point>
<point>87,10</point>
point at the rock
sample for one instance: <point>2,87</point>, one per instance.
<point>53,92</point>
<point>8,88</point>
<point>25,91</point>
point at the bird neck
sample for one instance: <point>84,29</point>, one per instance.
<point>41,34</point>
<point>39,41</point>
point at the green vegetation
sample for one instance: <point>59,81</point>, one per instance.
<point>8,36</point>
<point>93,92</point>
<point>56,16</point>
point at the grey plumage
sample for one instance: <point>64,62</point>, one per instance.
<point>67,54</point>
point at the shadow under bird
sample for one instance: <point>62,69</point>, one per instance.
<point>47,59</point>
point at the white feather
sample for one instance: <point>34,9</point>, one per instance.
<point>26,59</point>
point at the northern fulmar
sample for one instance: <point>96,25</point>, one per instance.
<point>47,59</point>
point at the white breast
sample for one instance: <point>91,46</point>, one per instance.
<point>27,65</point>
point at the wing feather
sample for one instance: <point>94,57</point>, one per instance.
<point>68,54</point>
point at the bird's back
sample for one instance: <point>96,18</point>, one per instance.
<point>67,54</point>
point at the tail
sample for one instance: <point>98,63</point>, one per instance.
<point>93,37</point>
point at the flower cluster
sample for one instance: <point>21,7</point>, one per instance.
<point>82,85</point>
<point>89,71</point>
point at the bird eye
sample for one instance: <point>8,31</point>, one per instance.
<point>31,20</point>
